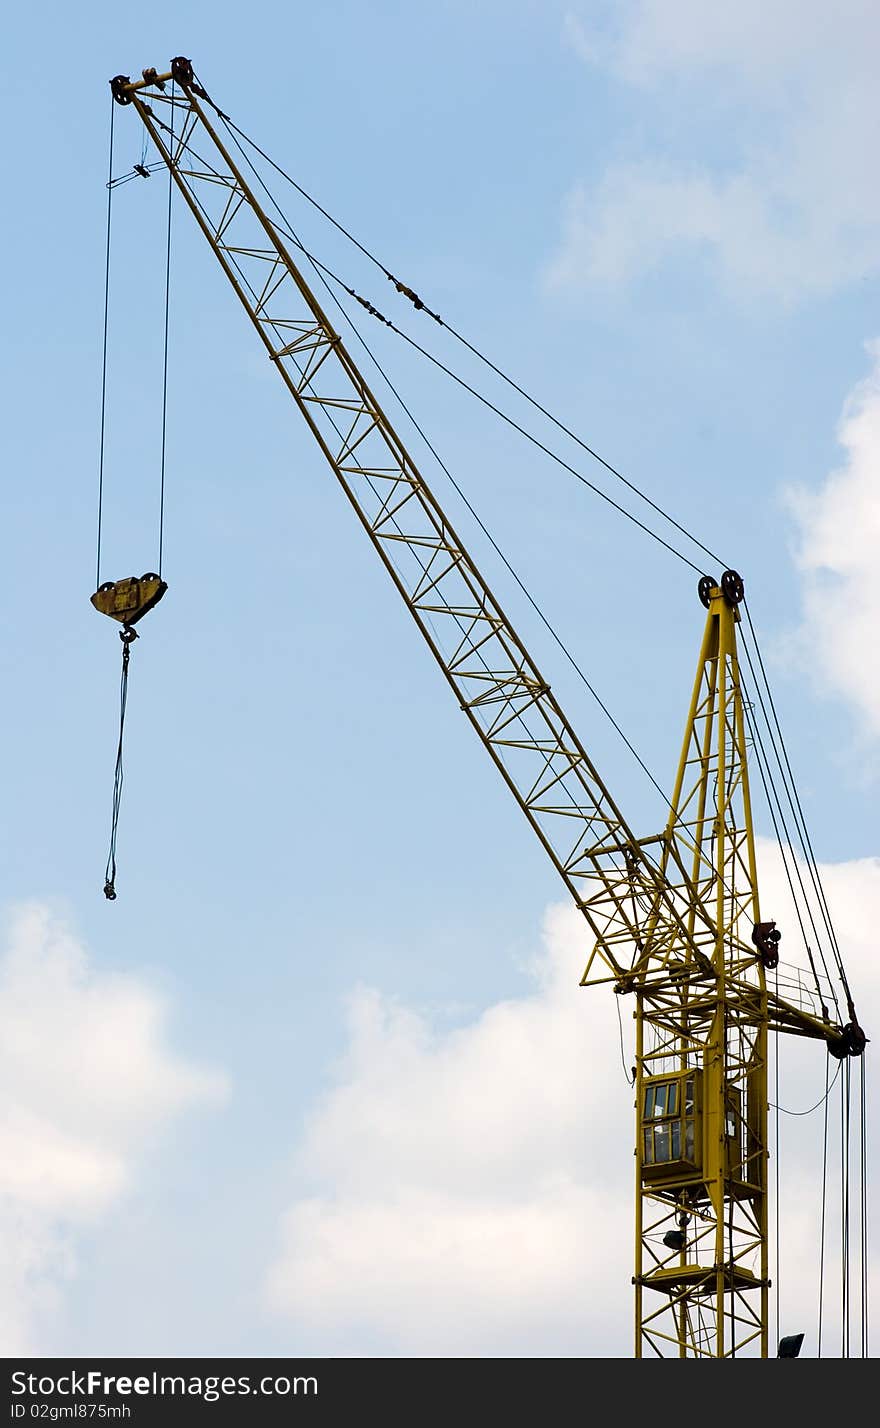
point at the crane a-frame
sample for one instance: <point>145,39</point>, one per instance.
<point>674,918</point>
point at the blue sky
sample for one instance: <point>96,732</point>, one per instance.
<point>325,1059</point>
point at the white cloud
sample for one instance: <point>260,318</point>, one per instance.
<point>469,1178</point>
<point>785,98</point>
<point>470,1193</point>
<point>839,540</point>
<point>86,1083</point>
<point>751,42</point>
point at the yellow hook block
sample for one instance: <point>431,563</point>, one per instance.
<point>128,600</point>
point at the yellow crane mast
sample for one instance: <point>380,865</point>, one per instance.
<point>674,918</point>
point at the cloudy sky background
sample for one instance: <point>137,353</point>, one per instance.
<point>322,1079</point>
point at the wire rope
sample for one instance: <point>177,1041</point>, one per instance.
<point>777,1159</point>
<point>824,1200</point>
<point>628,1074</point>
<point>487,361</point>
<point>798,814</point>
<point>863,1209</point>
<point>325,271</point>
<point>844,1215</point>
<point>766,783</point>
<point>791,792</point>
<point>320,268</point>
<point>101,441</point>
<point>423,567</point>
<point>779,748</point>
<point>127,635</point>
<point>786,844</point>
<point>821,1101</point>
<point>495,409</point>
<point>165,345</point>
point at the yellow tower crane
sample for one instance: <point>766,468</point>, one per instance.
<point>674,917</point>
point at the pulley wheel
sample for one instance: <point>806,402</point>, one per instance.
<point>704,590</point>
<point>732,586</point>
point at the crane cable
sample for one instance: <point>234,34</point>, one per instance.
<point>791,792</point>
<point>777,1172</point>
<point>324,269</point>
<point>233,130</point>
<point>492,407</point>
<point>110,869</point>
<point>846,1238</point>
<point>529,436</point>
<point>863,1208</point>
<point>797,811</point>
<point>824,1207</point>
<point>783,843</point>
<point>321,269</point>
<point>462,629</point>
<point>128,634</point>
<point>845,1116</point>
<point>408,292</point>
<point>519,718</point>
<point>848,1210</point>
<point>822,1101</point>
<point>813,867</point>
<point>165,348</point>
<point>322,272</point>
<point>101,440</point>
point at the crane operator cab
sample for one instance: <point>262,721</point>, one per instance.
<point>672,1132</point>
<point>671,1127</point>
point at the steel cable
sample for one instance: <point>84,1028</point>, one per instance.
<point>104,351</point>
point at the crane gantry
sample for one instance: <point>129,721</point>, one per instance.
<point>674,917</point>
